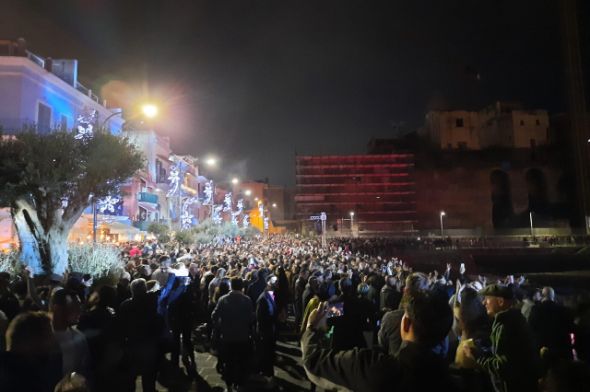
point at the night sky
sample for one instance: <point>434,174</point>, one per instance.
<point>257,81</point>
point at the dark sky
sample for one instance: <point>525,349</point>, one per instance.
<point>256,81</point>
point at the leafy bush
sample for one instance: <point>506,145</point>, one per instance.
<point>160,230</point>
<point>184,237</point>
<point>207,232</point>
<point>95,260</point>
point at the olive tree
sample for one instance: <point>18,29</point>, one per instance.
<point>48,180</point>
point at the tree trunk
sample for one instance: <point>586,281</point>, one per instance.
<point>29,248</point>
<point>45,251</point>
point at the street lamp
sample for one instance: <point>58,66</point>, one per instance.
<point>274,205</point>
<point>351,219</point>
<point>531,221</point>
<point>247,192</point>
<point>149,110</point>
<point>210,161</point>
<point>442,227</point>
<point>235,181</point>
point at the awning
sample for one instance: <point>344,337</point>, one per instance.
<point>150,207</point>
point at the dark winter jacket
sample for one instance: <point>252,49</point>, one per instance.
<point>416,368</point>
<point>513,361</point>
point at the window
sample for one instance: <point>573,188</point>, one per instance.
<point>521,123</point>
<point>63,123</point>
<point>459,122</point>
<point>533,143</point>
<point>160,172</point>
<point>538,122</point>
<point>449,146</point>
<point>462,145</point>
<point>43,118</point>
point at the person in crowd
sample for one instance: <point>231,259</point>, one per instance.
<point>298,290</point>
<point>180,316</point>
<point>216,281</point>
<point>513,360</point>
<point>282,294</point>
<point>266,328</point>
<point>552,325</point>
<point>9,304</point>
<point>32,360</point>
<point>349,326</point>
<point>258,286</point>
<point>531,298</point>
<point>98,326</point>
<point>473,324</point>
<point>426,321</point>
<point>123,289</point>
<point>65,310</point>
<point>389,335</point>
<point>162,274</point>
<point>234,318</point>
<point>140,328</point>
<point>311,299</point>
<point>390,296</point>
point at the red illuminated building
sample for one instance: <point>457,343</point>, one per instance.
<point>378,189</point>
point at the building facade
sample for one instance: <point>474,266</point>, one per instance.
<point>45,94</point>
<point>359,193</point>
<point>501,125</point>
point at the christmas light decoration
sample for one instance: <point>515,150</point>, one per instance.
<point>186,218</point>
<point>85,125</point>
<point>208,193</point>
<point>216,214</point>
<point>238,212</point>
<point>108,203</point>
<point>227,202</point>
<point>174,181</point>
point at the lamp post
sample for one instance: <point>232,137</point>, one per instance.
<point>442,227</point>
<point>531,221</point>
<point>351,220</point>
<point>94,219</point>
<point>148,110</point>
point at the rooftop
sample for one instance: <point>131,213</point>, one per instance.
<point>64,69</point>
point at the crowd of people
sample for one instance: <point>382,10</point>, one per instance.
<point>366,321</point>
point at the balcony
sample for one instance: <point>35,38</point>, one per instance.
<point>147,197</point>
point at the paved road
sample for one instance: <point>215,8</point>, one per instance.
<point>288,371</point>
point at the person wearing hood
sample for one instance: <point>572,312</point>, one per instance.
<point>257,287</point>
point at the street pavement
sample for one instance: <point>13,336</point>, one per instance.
<point>289,373</point>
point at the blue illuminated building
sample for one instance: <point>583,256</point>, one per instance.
<point>44,93</point>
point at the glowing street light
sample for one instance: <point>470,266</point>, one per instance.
<point>235,181</point>
<point>351,219</point>
<point>210,161</point>
<point>274,205</point>
<point>442,228</point>
<point>255,199</point>
<point>247,192</point>
<point>149,110</point>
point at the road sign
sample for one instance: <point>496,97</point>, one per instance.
<point>322,217</point>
